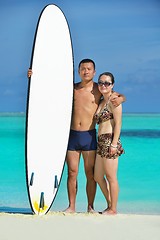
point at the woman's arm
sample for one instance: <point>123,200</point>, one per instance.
<point>117,115</point>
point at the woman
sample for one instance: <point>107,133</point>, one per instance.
<point>109,147</point>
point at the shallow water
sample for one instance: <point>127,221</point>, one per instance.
<point>138,174</point>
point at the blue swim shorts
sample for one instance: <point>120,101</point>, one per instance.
<point>82,140</point>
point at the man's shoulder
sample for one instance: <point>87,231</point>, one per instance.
<point>95,87</point>
<point>76,85</point>
<point>96,84</point>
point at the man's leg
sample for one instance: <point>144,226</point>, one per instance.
<point>72,160</point>
<point>89,161</point>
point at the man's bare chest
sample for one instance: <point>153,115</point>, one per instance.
<point>84,97</point>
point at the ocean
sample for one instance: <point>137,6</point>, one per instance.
<point>138,172</point>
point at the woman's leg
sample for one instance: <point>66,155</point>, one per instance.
<point>99,178</point>
<point>110,168</point>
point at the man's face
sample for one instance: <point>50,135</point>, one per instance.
<point>86,71</point>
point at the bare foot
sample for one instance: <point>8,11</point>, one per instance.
<point>109,212</point>
<point>69,210</point>
<point>109,204</point>
<point>91,210</point>
<point>107,209</point>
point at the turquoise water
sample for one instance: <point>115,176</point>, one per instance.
<point>138,174</point>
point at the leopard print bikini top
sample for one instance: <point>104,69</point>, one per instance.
<point>103,115</point>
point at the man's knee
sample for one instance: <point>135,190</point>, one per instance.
<point>72,173</point>
<point>72,161</point>
<point>89,173</point>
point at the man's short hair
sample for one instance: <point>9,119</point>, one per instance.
<point>87,60</point>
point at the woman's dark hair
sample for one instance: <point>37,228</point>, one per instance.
<point>107,74</point>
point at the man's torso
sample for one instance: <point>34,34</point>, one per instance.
<point>85,105</point>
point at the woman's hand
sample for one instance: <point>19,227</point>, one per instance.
<point>112,150</point>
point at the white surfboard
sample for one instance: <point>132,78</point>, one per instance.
<point>49,108</point>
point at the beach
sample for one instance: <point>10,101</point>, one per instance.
<point>57,225</point>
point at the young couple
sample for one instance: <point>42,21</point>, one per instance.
<point>94,103</point>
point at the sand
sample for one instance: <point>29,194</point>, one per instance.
<point>79,226</point>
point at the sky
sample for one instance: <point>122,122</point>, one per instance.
<point>121,36</point>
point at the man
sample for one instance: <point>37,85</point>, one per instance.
<point>82,138</point>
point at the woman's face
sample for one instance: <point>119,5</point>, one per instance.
<point>105,84</point>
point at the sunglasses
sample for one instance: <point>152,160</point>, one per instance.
<point>106,84</point>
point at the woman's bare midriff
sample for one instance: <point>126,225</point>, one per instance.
<point>106,127</point>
